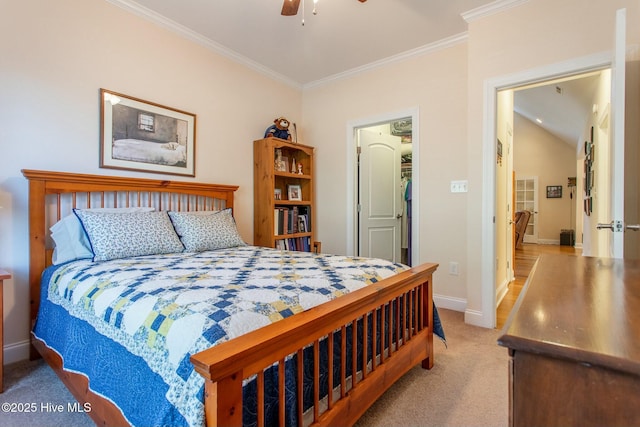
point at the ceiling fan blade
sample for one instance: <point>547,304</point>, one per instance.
<point>290,7</point>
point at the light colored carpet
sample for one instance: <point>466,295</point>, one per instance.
<point>466,387</point>
<point>35,397</point>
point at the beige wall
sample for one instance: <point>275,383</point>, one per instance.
<point>537,152</point>
<point>54,58</point>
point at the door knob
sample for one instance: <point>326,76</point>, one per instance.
<point>614,226</point>
<point>634,227</point>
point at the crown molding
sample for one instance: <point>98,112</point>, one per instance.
<point>164,22</point>
<point>490,9</point>
<point>413,53</point>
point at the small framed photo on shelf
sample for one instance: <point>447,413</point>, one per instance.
<point>294,192</point>
<point>277,193</point>
<point>554,191</point>
<point>302,224</point>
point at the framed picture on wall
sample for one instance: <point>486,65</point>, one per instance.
<point>554,191</point>
<point>145,136</point>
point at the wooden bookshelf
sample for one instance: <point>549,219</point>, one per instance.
<point>282,221</point>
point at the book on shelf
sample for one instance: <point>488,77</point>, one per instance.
<point>291,220</point>
<point>294,244</point>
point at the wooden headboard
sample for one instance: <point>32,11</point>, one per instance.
<point>53,195</point>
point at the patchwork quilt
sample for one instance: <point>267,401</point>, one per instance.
<point>153,312</point>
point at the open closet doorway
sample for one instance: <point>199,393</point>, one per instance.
<point>383,192</point>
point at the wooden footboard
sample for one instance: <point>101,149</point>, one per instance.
<point>408,296</point>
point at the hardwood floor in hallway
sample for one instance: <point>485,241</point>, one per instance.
<point>525,259</point>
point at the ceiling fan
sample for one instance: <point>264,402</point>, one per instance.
<point>290,7</point>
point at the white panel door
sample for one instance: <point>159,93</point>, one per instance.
<point>380,196</point>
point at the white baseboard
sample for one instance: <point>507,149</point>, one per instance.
<point>450,303</point>
<point>549,242</point>
<point>476,318</point>
<point>472,317</point>
<point>16,352</point>
<point>501,292</point>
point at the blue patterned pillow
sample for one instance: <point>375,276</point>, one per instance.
<point>122,235</point>
<point>199,231</point>
<point>71,240</point>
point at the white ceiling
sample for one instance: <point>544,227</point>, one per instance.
<point>344,35</point>
<point>347,36</point>
<point>564,106</point>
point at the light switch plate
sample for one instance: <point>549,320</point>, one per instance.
<point>459,186</point>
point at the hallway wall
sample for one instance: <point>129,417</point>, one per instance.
<point>537,152</point>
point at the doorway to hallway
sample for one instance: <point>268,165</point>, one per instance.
<point>543,125</point>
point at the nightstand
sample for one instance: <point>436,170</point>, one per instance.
<point>3,276</point>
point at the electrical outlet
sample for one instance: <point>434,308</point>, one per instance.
<point>453,268</point>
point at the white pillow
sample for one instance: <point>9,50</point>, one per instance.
<point>70,239</point>
<point>201,231</point>
<point>115,235</point>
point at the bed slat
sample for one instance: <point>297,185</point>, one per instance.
<point>281,392</point>
<point>300,390</point>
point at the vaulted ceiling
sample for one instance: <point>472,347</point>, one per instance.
<point>562,107</point>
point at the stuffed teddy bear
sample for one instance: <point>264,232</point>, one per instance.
<point>280,129</point>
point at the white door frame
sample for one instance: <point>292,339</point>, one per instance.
<point>352,175</point>
<point>487,317</point>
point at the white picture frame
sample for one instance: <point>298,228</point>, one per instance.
<point>294,192</point>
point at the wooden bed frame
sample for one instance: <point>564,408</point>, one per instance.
<point>225,366</point>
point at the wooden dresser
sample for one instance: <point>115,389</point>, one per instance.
<point>574,341</point>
